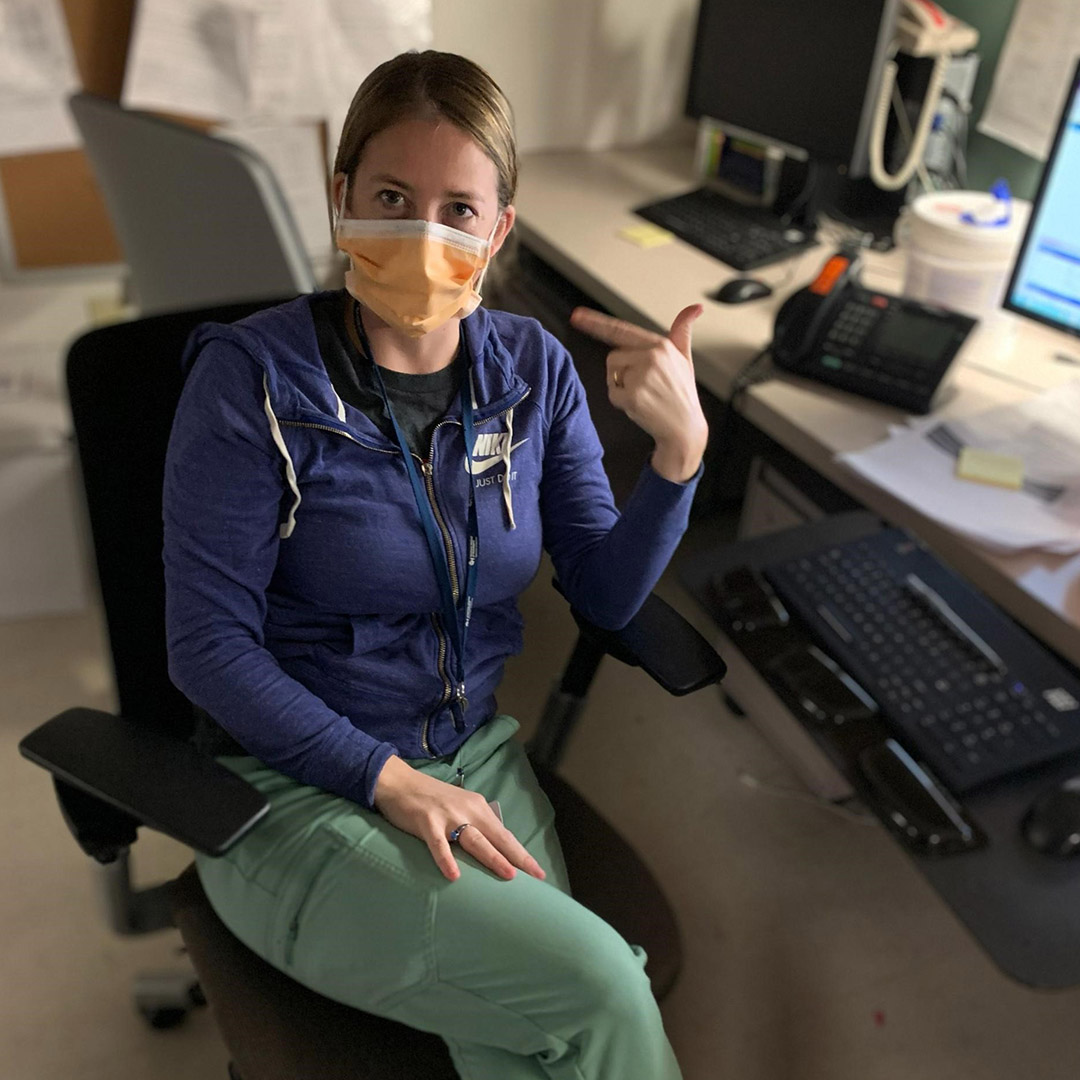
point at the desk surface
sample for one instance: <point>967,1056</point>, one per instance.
<point>571,207</point>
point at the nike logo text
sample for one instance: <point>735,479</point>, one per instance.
<point>490,446</point>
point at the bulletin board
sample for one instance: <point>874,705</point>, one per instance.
<point>55,213</point>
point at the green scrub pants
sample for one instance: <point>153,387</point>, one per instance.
<point>520,980</point>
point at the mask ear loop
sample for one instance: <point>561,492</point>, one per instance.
<point>339,209</point>
<point>484,268</point>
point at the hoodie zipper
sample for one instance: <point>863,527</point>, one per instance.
<point>428,470</point>
<point>333,431</point>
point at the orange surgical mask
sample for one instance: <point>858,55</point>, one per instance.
<point>415,275</point>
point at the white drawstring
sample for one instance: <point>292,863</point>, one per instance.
<point>508,498</point>
<point>286,528</point>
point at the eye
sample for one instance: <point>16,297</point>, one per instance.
<point>462,210</point>
<point>391,198</point>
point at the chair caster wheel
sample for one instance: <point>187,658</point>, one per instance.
<point>162,1019</point>
<point>165,998</point>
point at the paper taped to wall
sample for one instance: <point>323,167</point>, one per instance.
<point>37,73</point>
<point>191,57</point>
<point>1032,75</point>
<point>265,60</point>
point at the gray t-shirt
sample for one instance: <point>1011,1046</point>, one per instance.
<point>419,401</point>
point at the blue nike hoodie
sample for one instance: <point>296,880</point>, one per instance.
<point>303,611</point>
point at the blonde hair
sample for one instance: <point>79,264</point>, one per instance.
<point>439,83</point>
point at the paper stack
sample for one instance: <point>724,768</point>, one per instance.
<point>917,463</point>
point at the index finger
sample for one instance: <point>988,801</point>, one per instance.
<point>612,331</point>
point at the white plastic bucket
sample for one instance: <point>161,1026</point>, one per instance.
<point>960,247</point>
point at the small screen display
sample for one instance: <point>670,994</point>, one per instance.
<point>906,333</point>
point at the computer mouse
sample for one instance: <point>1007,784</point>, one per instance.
<point>739,290</point>
<point>1052,824</point>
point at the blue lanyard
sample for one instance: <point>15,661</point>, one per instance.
<point>455,618</point>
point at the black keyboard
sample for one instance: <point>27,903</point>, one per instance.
<point>743,237</point>
<point>963,688</point>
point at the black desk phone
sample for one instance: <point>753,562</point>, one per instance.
<point>883,347</point>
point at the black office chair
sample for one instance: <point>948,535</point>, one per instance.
<point>114,773</point>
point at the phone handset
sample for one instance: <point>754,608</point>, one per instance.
<point>806,314</point>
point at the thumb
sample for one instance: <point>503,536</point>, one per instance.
<point>681,330</point>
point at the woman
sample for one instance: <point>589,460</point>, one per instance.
<point>358,487</point>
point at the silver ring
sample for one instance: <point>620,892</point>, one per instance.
<point>455,836</point>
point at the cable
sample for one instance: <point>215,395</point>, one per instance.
<point>909,136</point>
<point>805,192</point>
<point>879,174</point>
<point>751,373</point>
<point>750,781</point>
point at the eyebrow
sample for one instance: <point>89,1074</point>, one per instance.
<point>386,178</point>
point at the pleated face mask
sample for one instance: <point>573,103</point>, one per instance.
<point>415,275</point>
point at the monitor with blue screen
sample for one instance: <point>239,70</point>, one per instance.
<point>1046,279</point>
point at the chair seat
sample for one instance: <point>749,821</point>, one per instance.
<point>276,1029</point>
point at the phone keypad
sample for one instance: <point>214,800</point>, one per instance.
<point>851,328</point>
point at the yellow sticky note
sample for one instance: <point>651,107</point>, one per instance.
<point>983,467</point>
<point>646,235</point>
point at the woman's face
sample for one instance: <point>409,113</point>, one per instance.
<point>427,169</point>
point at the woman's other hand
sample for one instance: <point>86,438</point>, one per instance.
<point>651,378</point>
<point>431,810</point>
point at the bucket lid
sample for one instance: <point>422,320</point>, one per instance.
<point>967,224</point>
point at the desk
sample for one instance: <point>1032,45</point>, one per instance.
<point>1019,905</point>
<point>570,209</point>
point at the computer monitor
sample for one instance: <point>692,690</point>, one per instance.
<point>801,74</point>
<point>1045,283</point>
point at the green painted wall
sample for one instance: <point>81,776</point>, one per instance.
<point>989,159</point>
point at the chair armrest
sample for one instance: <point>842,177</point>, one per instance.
<point>663,644</point>
<point>152,777</point>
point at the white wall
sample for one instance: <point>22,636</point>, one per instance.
<point>579,73</point>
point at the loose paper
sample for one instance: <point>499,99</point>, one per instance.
<point>917,463</point>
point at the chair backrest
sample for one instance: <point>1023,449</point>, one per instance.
<point>124,382</point>
<point>201,220</point>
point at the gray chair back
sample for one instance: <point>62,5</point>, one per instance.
<point>202,221</point>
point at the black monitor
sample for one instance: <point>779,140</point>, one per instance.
<point>801,74</point>
<point>1045,282</point>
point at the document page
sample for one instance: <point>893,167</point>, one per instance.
<point>37,74</point>
<point>1039,55</point>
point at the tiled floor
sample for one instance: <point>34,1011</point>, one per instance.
<point>814,952</point>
